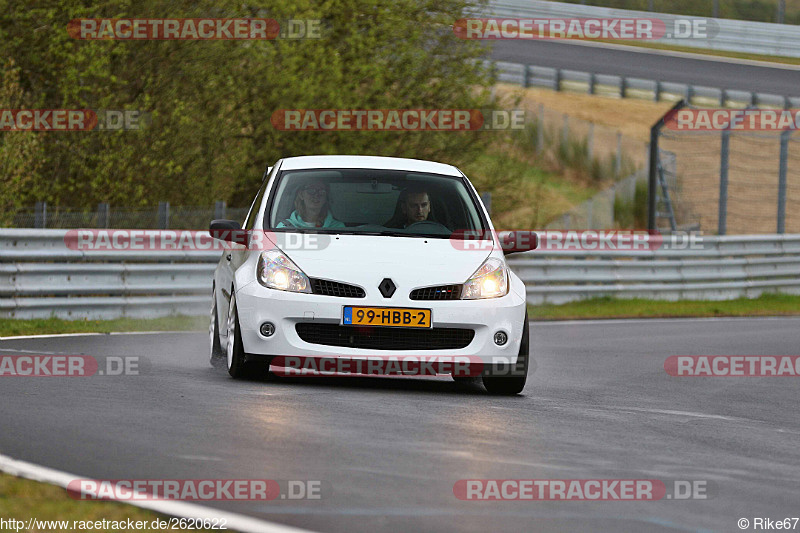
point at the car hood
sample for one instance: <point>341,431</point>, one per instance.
<point>366,260</point>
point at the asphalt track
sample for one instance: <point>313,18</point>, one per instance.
<point>708,71</point>
<point>388,451</point>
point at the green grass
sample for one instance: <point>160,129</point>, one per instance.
<point>766,305</point>
<point>11,326</point>
<point>23,499</point>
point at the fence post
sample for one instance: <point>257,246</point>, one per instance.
<point>782,180</point>
<point>103,215</point>
<point>557,80</point>
<point>722,220</point>
<point>623,86</point>
<point>40,215</point>
<point>540,130</point>
<point>526,77</point>
<point>163,215</point>
<point>618,158</point>
<point>219,209</point>
<point>723,97</point>
<point>657,91</point>
<point>689,93</point>
<point>592,82</point>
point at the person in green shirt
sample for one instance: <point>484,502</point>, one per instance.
<point>311,208</point>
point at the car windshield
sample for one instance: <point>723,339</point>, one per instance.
<point>373,202</point>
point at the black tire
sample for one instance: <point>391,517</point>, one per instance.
<point>507,383</point>
<point>217,353</point>
<point>235,356</point>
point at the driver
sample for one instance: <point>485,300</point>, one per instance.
<point>413,205</point>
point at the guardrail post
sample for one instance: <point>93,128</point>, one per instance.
<point>526,76</point>
<point>219,209</point>
<point>40,215</point>
<point>592,82</point>
<point>782,167</point>
<point>557,80</point>
<point>163,215</point>
<point>689,93</point>
<point>722,218</point>
<point>786,102</point>
<point>623,86</point>
<point>103,215</point>
<point>657,91</point>
<point>723,97</point>
<point>753,99</point>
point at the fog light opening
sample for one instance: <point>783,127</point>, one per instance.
<point>500,338</point>
<point>267,329</point>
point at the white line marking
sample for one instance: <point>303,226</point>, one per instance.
<point>235,521</point>
<point>684,55</point>
<point>92,334</point>
<point>620,321</point>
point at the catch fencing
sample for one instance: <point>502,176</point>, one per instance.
<point>41,277</point>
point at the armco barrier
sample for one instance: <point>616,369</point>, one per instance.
<point>734,35</point>
<point>40,277</point>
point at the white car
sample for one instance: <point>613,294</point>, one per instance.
<point>353,256</point>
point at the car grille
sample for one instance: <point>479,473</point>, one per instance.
<point>334,288</point>
<point>383,338</point>
<point>442,292</point>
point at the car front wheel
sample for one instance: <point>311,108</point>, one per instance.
<point>238,367</point>
<point>510,381</point>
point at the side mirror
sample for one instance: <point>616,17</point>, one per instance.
<point>514,242</point>
<point>228,230</point>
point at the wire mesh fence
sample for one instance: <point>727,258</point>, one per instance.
<point>105,216</point>
<point>730,182</point>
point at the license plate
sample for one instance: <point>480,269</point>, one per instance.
<point>386,316</point>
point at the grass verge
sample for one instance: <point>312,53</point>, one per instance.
<point>23,499</point>
<point>765,305</point>
<point>12,326</point>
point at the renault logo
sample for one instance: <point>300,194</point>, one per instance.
<point>387,288</point>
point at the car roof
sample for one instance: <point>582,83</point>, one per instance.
<point>368,161</point>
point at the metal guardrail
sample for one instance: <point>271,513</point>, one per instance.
<point>733,36</point>
<point>40,277</point>
<point>724,268</point>
<point>559,79</point>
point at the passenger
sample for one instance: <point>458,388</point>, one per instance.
<point>311,208</point>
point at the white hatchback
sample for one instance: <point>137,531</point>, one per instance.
<point>352,256</point>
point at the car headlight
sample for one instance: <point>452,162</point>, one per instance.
<point>489,281</point>
<point>276,271</point>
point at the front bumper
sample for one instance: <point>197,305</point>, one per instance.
<point>257,304</point>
